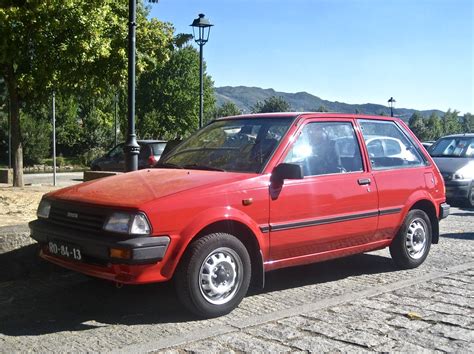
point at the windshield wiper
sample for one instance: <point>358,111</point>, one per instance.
<point>195,166</point>
<point>167,165</point>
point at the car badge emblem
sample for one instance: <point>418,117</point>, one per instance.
<point>72,215</point>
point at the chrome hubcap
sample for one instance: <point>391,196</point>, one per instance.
<point>416,238</point>
<point>220,276</point>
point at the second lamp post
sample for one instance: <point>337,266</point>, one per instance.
<point>391,102</point>
<point>203,27</point>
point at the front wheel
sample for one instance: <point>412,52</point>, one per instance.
<point>412,244</point>
<point>214,275</point>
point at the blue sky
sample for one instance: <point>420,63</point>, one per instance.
<point>421,52</point>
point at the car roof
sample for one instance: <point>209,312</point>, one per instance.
<point>149,141</point>
<point>465,135</point>
<point>309,115</point>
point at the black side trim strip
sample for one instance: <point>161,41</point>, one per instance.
<point>390,211</point>
<point>264,229</point>
<point>322,221</point>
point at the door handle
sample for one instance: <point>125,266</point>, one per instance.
<point>363,181</point>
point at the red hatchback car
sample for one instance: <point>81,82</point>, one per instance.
<point>246,195</point>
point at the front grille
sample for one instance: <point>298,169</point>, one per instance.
<point>76,217</point>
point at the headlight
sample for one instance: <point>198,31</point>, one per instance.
<point>458,176</point>
<point>128,223</point>
<point>43,209</point>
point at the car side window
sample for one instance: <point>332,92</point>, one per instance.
<point>326,148</point>
<point>117,152</point>
<point>388,147</point>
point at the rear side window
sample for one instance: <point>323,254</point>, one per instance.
<point>158,148</point>
<point>388,146</point>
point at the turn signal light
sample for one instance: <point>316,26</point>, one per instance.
<point>120,253</point>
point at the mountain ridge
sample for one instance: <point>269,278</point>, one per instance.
<point>245,97</point>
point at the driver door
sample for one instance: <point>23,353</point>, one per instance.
<point>334,208</point>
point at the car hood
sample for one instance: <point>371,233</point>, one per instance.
<point>133,189</point>
<point>450,165</point>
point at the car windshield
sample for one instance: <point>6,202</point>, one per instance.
<point>453,147</point>
<point>237,145</point>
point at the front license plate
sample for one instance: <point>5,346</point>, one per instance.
<point>66,250</point>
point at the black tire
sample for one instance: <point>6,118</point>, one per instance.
<point>412,244</point>
<point>470,197</point>
<point>231,269</point>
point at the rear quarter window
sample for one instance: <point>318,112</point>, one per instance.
<point>388,146</point>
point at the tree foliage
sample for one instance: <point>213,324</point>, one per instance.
<point>168,96</point>
<point>468,123</point>
<point>435,127</point>
<point>226,110</point>
<point>417,124</point>
<point>79,50</point>
<point>271,104</point>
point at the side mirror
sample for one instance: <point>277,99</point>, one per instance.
<point>285,171</point>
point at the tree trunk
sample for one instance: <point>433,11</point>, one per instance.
<point>17,146</point>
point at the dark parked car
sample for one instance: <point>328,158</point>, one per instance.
<point>454,156</point>
<point>427,144</point>
<point>114,160</point>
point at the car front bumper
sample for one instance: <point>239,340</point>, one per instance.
<point>143,264</point>
<point>457,189</point>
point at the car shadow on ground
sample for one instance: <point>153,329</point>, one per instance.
<point>61,300</point>
<point>328,271</point>
<point>460,236</point>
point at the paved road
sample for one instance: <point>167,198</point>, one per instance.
<point>353,304</point>
<point>63,179</point>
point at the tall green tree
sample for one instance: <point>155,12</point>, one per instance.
<point>434,127</point>
<point>322,108</point>
<point>468,123</point>
<point>69,46</point>
<point>168,97</point>
<point>272,104</point>
<point>226,110</point>
<point>417,125</point>
<point>451,123</point>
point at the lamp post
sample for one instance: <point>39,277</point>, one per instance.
<point>131,147</point>
<point>9,134</point>
<point>115,117</point>
<point>391,102</point>
<point>202,26</point>
<point>54,138</point>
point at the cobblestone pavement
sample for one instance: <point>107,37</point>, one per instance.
<point>353,304</point>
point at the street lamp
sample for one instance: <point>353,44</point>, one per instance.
<point>131,147</point>
<point>391,102</point>
<point>203,27</point>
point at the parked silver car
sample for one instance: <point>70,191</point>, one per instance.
<point>454,156</point>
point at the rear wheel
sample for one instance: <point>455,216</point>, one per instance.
<point>412,244</point>
<point>214,275</point>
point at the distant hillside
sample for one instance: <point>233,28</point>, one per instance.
<point>246,97</point>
